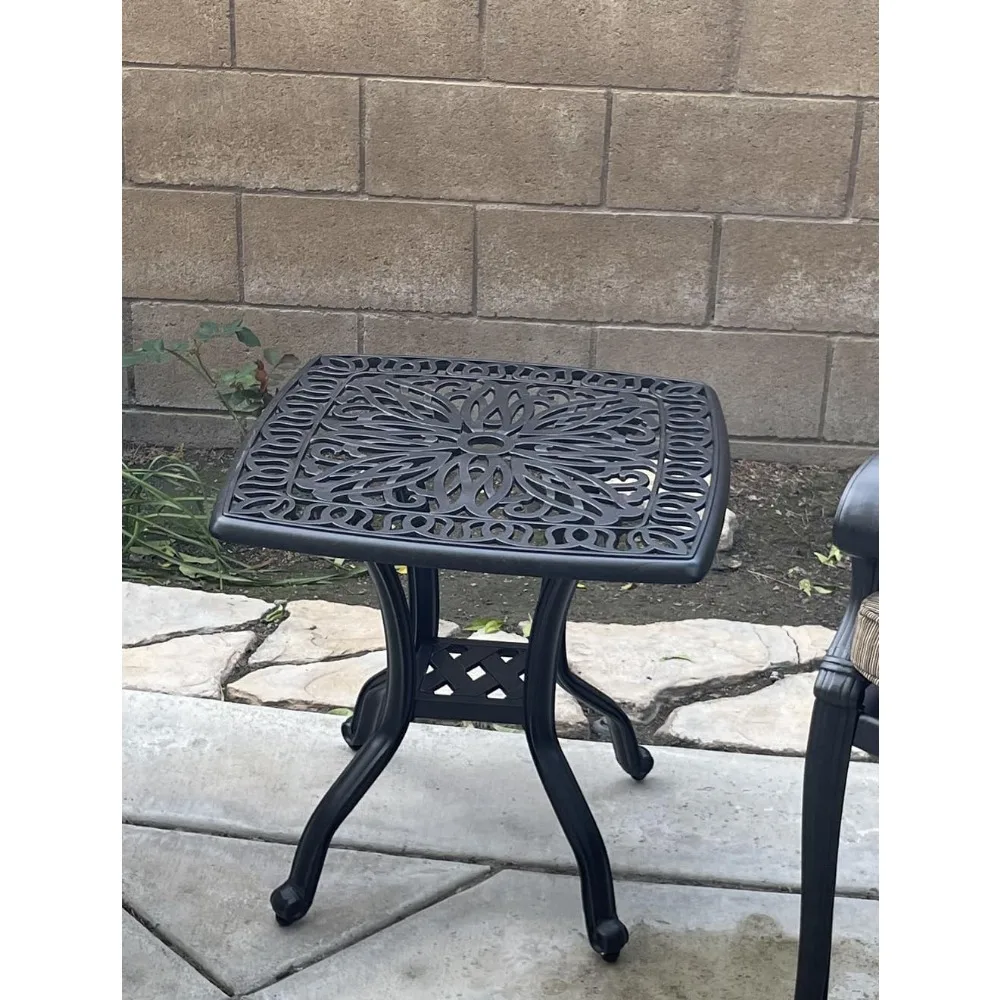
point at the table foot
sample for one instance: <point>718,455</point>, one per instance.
<point>292,900</point>
<point>606,932</point>
<point>635,760</point>
<point>608,939</point>
<point>290,903</point>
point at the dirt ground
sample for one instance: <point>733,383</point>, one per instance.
<point>785,515</point>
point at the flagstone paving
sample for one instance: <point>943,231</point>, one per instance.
<point>698,683</point>
<point>452,878</point>
<point>205,895</point>
<point>517,936</point>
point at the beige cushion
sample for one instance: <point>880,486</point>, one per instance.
<point>864,647</point>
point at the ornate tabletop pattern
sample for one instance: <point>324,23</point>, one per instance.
<point>483,453</point>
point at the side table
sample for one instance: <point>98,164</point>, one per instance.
<point>493,467</point>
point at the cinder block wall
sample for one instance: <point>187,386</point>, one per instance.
<point>681,187</point>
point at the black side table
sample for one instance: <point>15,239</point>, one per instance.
<point>493,467</point>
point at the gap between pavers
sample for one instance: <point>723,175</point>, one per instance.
<point>193,665</point>
<point>324,630</point>
<point>774,719</point>
<point>641,666</point>
<point>466,794</point>
<point>209,895</point>
<point>152,614</point>
<point>702,682</point>
<point>519,935</point>
<point>151,971</point>
<point>335,684</point>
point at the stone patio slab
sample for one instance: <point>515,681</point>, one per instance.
<point>324,630</point>
<point>321,630</point>
<point>192,665</point>
<point>812,642</point>
<point>151,613</point>
<point>151,971</point>
<point>309,686</point>
<point>209,897</point>
<point>775,718</point>
<point>468,794</point>
<point>332,684</point>
<point>519,936</point>
<point>638,665</point>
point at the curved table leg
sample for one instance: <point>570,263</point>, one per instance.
<point>607,933</point>
<point>422,585</point>
<point>634,760</point>
<point>358,728</point>
<point>291,900</point>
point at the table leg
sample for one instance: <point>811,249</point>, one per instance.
<point>291,900</point>
<point>607,933</point>
<point>422,585</point>
<point>367,707</point>
<point>634,760</point>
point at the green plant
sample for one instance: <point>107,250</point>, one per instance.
<point>834,558</point>
<point>487,625</point>
<point>243,391</point>
<point>165,504</point>
<point>165,510</point>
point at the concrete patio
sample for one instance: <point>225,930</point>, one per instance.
<point>452,878</point>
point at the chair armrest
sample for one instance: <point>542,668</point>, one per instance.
<point>855,525</point>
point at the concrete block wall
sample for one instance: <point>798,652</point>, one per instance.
<point>681,187</point>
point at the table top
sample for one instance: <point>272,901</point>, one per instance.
<point>487,466</point>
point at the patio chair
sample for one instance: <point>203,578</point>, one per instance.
<point>845,714</point>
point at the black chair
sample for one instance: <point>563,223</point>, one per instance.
<point>845,714</point>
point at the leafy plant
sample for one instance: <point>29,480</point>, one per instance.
<point>243,391</point>
<point>165,510</point>
<point>276,614</point>
<point>487,625</point>
<point>165,504</point>
<point>809,588</point>
<point>834,558</point>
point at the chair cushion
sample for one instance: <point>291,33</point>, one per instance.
<point>864,646</point>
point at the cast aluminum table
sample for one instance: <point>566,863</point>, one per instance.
<point>494,467</point>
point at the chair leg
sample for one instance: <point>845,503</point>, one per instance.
<point>634,760</point>
<point>292,899</point>
<point>828,754</point>
<point>606,932</point>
